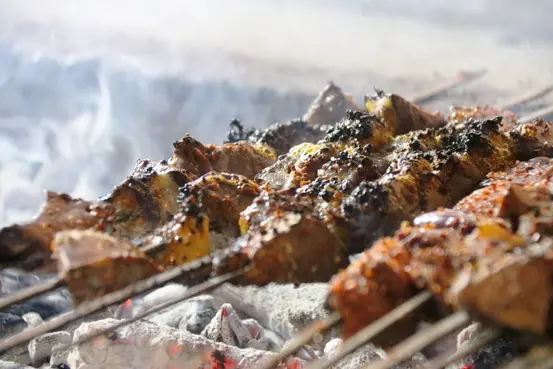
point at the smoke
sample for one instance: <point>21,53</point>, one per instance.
<point>88,87</point>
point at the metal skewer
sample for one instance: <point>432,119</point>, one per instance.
<point>446,359</point>
<point>192,292</point>
<point>464,78</point>
<point>302,338</point>
<point>372,330</point>
<point>526,98</point>
<point>113,298</point>
<point>417,342</point>
<point>541,113</point>
<point>28,293</point>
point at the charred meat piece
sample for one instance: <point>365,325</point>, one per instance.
<point>60,212</point>
<point>511,192</point>
<point>423,181</point>
<point>279,136</point>
<point>222,197</point>
<point>395,268</point>
<point>279,253</point>
<point>359,133</point>
<point>329,106</point>
<point>184,238</point>
<point>242,157</point>
<point>147,199</point>
<point>299,166</point>
<point>94,264</point>
<point>286,241</point>
<point>341,174</point>
<point>360,128</point>
<point>533,139</point>
<point>460,114</point>
<point>399,115</point>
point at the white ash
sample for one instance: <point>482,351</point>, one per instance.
<point>227,327</point>
<point>493,355</point>
<point>192,315</point>
<point>284,309</point>
<point>145,302</point>
<point>445,344</point>
<point>11,365</point>
<point>149,346</point>
<point>40,348</point>
<point>274,341</point>
<point>58,356</point>
<point>366,354</point>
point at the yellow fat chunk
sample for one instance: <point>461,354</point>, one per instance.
<point>183,239</point>
<point>494,231</point>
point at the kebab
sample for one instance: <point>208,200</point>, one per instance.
<point>242,248</point>
<point>431,254</point>
<point>484,132</point>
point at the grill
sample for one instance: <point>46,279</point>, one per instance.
<point>197,273</point>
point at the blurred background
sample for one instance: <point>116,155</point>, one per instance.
<point>88,87</point>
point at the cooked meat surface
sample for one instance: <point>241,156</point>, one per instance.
<point>60,212</point>
<point>241,157</point>
<point>275,229</point>
<point>279,136</point>
<point>329,106</point>
<point>460,114</point>
<point>511,192</point>
<point>184,238</point>
<point>416,258</point>
<point>146,199</point>
<point>420,181</point>
<point>94,264</point>
<point>359,132</point>
<point>399,115</point>
<point>222,197</point>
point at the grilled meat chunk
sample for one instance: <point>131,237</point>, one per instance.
<point>147,199</point>
<point>513,289</point>
<point>279,136</point>
<point>184,238</point>
<point>511,192</point>
<point>242,157</point>
<point>94,264</point>
<point>415,258</point>
<point>419,181</point>
<point>329,106</point>
<point>359,132</point>
<point>399,115</point>
<point>275,229</point>
<point>460,114</point>
<point>533,139</point>
<point>222,197</point>
<point>60,212</point>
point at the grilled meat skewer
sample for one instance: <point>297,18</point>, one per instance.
<point>432,255</point>
<point>142,202</point>
<point>423,181</point>
<point>388,116</point>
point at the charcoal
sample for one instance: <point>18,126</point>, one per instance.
<point>498,352</point>
<point>10,365</point>
<point>364,355</point>
<point>40,348</point>
<point>46,306</point>
<point>282,308</point>
<point>147,345</point>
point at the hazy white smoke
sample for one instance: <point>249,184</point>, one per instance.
<point>79,127</point>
